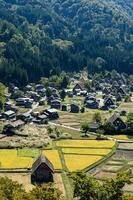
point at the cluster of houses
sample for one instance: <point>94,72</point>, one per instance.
<point>106,95</point>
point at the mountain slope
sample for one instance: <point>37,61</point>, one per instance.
<point>42,37</point>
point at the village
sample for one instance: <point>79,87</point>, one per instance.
<point>48,129</point>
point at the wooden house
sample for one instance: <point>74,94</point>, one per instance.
<point>11,127</point>
<point>39,87</point>
<point>40,119</point>
<point>74,108</point>
<point>9,114</point>
<point>117,122</point>
<point>77,88</point>
<point>26,117</point>
<point>106,90</point>
<point>51,113</point>
<point>56,103</point>
<point>42,171</point>
<point>28,88</point>
<point>26,102</point>
<point>64,107</point>
<point>93,104</point>
<point>108,102</point>
<point>122,91</point>
<point>35,96</point>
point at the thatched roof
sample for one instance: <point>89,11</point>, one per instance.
<point>42,160</point>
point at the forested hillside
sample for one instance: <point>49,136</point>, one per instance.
<point>43,37</point>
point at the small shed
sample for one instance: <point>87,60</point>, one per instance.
<point>42,171</point>
<point>74,108</point>
<point>64,107</point>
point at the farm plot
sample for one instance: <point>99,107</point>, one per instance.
<point>27,152</point>
<point>123,155</point>
<point>76,119</point>
<point>86,151</point>
<point>120,137</point>
<point>120,160</point>
<point>9,159</point>
<point>24,158</point>
<point>126,146</point>
<point>86,143</point>
<point>112,168</point>
<point>80,154</point>
<point>79,162</point>
<point>53,156</point>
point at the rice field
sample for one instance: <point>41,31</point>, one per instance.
<point>9,159</point>
<point>79,162</point>
<point>120,137</point>
<point>54,158</point>
<point>85,151</point>
<point>86,143</point>
<point>76,155</point>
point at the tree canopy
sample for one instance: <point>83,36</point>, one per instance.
<point>42,38</point>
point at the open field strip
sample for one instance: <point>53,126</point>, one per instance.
<point>53,156</point>
<point>9,159</point>
<point>27,152</point>
<point>86,151</point>
<point>79,162</point>
<point>8,153</point>
<point>121,137</point>
<point>23,158</point>
<point>86,143</point>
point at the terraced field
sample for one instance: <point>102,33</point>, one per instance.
<point>79,162</point>
<point>81,154</point>
<point>86,143</point>
<point>86,151</point>
<point>53,156</point>
<point>68,155</point>
<point>121,160</point>
<point>10,159</point>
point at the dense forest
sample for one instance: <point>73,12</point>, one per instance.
<point>44,37</point>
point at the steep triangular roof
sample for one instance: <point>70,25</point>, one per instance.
<point>42,160</point>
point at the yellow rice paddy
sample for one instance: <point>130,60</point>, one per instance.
<point>9,159</point>
<point>88,151</point>
<point>79,162</point>
<point>54,158</point>
<point>86,143</point>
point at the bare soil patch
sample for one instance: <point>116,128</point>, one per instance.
<point>31,135</point>
<point>126,146</point>
<point>22,178</point>
<point>123,155</point>
<point>105,175</point>
<point>59,183</point>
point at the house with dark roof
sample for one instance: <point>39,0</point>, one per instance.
<point>64,107</point>
<point>51,113</point>
<point>11,127</point>
<point>74,108</point>
<point>26,102</point>
<point>106,90</point>
<point>77,88</point>
<point>122,91</point>
<point>9,114</point>
<point>117,122</point>
<point>56,103</point>
<point>40,119</point>
<point>42,171</point>
<point>26,117</point>
<point>107,103</point>
<point>93,104</point>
